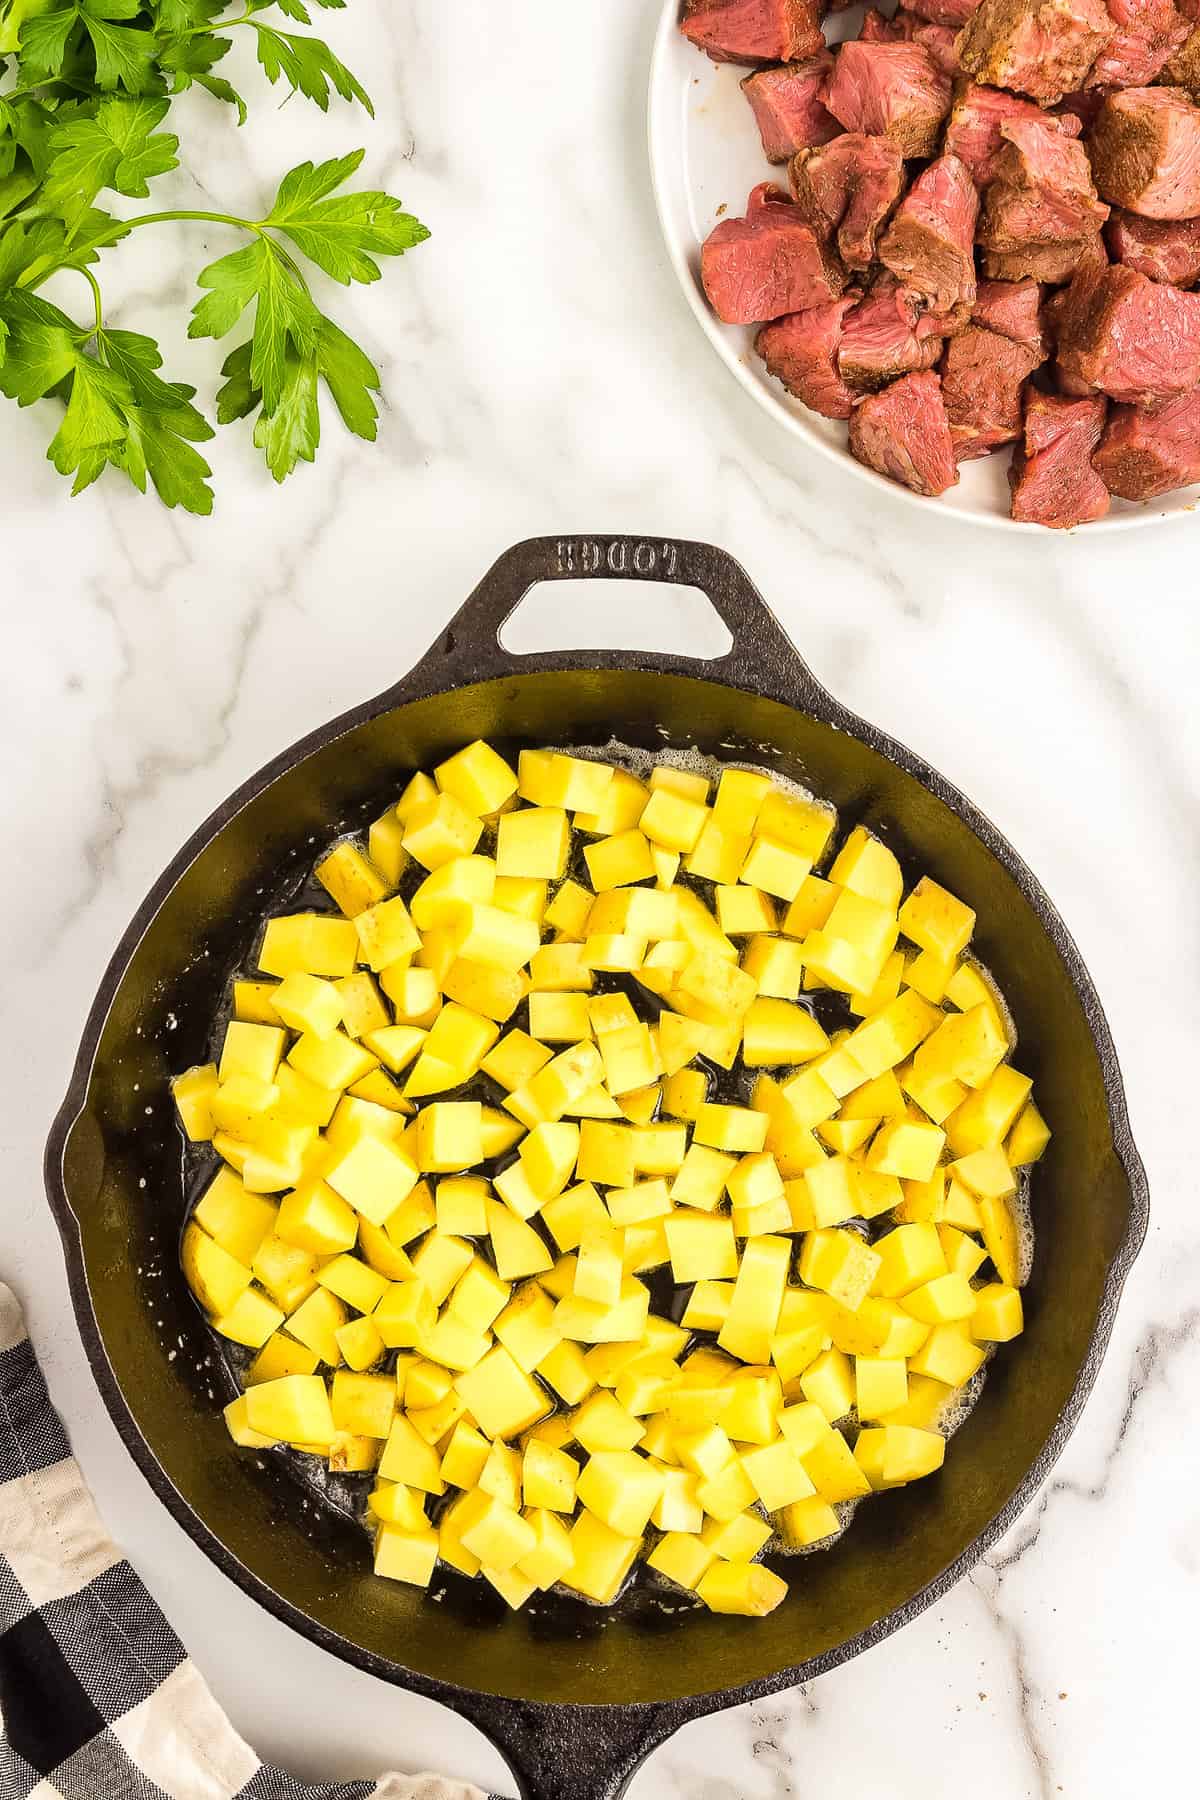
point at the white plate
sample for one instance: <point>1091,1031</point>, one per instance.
<point>705,156</point>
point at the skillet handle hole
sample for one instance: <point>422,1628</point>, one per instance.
<point>606,613</point>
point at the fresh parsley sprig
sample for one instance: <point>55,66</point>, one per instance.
<point>93,86</point>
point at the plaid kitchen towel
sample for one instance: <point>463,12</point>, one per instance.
<point>98,1698</point>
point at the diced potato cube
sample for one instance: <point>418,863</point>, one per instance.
<point>775,1031</point>
<point>941,1301</point>
<point>702,1247</point>
<point>252,1001</point>
<point>908,1257</point>
<point>866,866</point>
<point>464,1457</point>
<point>617,861</point>
<point>719,854</point>
<point>1028,1137</point>
<point>548,1477</point>
<point>374,1177</point>
<point>934,919</point>
<point>839,1263</point>
<point>279,1356</point>
<point>461,1205</point>
<point>363,1405</point>
<point>559,1018</point>
<point>998,1315</point>
<point>748,1589</point>
<point>743,910</point>
<point>673,820</point>
<point>217,1279</point>
<point>408,1458</point>
<point>352,1281</point>
<point>239,1428</point>
<point>495,1532</point>
<point>449,1136</point>
<point>880,1385</point>
<point>385,846</point>
<point>395,1504</point>
<point>194,1092</point>
<point>757,1298</point>
<point>551,1556</point>
<point>515,1060</point>
<point>359,1343</point>
<point>776,1474</point>
<point>413,1216</point>
<point>829,1384</point>
<point>733,1129</point>
<point>891,1035</point>
<point>439,830</point>
<point>478,777</point>
<point>406,1555</point>
<point>907,1149</point>
<point>808,1522</point>
<point>237,1219</point>
<point>516,1247</point>
<point>682,1557</point>
<point>526,1327</point>
<point>503,1398</point>
<point>253,1051</point>
<point>311,943</point>
<point>600,1559</point>
<point>948,1354</point>
<point>905,1453</point>
<point>352,879</point>
<point>622,1489</point>
<point>405,1315</point>
<point>294,1409</point>
<point>999,1228</point>
<point>455,1343</point>
<point>251,1320</point>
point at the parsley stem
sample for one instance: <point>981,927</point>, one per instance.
<point>165,218</point>
<point>219,25</point>
<point>97,299</point>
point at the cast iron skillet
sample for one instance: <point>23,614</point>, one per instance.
<point>576,1698</point>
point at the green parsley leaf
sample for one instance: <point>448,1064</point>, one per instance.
<point>339,233</point>
<point>124,54</point>
<point>350,375</point>
<point>291,433</point>
<point>239,396</point>
<point>44,41</point>
<point>284,313</point>
<point>118,148</point>
<point>43,346</point>
<point>95,419</point>
<point>308,66</point>
<point>191,59</point>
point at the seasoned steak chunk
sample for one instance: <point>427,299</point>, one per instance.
<point>1145,151</point>
<point>982,378</point>
<point>973,129</point>
<point>929,245</point>
<point>1014,309</point>
<point>1163,249</point>
<point>788,106</point>
<point>894,91</point>
<point>882,337</point>
<point>801,351</point>
<point>1126,336</point>
<point>1147,35</point>
<point>1144,454</point>
<point>753,31</point>
<point>769,263</point>
<point>904,434</point>
<point>847,189</point>
<point>1052,479</point>
<point>1043,48</point>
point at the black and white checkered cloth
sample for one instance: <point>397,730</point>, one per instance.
<point>98,1698</point>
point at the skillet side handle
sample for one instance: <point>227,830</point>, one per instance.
<point>762,658</point>
<point>576,1752</point>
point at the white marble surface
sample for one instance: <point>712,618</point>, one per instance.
<point>544,376</point>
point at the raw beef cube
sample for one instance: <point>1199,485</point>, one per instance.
<point>880,338</point>
<point>1051,263</point>
<point>753,31</point>
<point>929,244</point>
<point>878,29</point>
<point>907,28</point>
<point>1148,33</point>
<point>1014,309</point>
<point>982,378</point>
<point>1052,478</point>
<point>1145,150</point>
<point>1183,70</point>
<point>1128,337</point>
<point>895,91</point>
<point>1043,48</point>
<point>769,263</point>
<point>847,189</point>
<point>801,350</point>
<point>1144,454</point>
<point>941,12</point>
<point>903,433</point>
<point>1163,249</point>
<point>1043,192</point>
<point>973,128</point>
<point>788,107</point>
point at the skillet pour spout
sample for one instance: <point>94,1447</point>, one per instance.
<point>574,1696</point>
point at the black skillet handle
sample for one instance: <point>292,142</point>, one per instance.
<point>577,1752</point>
<point>762,657</point>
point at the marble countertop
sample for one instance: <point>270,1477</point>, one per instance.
<point>543,375</point>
